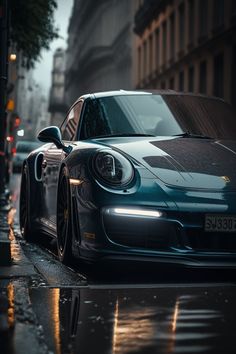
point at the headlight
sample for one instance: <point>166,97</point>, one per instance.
<point>113,168</point>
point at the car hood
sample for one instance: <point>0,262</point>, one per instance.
<point>184,162</point>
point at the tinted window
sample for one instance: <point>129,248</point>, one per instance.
<point>137,114</point>
<point>69,126</point>
<point>158,115</point>
<point>205,116</point>
<point>104,117</point>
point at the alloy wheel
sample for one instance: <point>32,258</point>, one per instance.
<point>62,214</point>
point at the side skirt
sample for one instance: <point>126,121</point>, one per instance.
<point>46,226</point>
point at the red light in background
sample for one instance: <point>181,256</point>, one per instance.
<point>17,122</point>
<point>13,151</point>
<point>10,139</point>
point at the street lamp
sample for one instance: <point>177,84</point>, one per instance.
<point>12,57</point>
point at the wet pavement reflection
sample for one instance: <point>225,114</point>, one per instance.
<point>15,194</point>
<point>174,318</point>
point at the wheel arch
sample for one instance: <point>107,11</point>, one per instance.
<point>35,188</point>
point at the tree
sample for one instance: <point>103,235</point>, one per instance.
<point>32,27</point>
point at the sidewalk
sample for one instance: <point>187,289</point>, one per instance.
<point>20,332</point>
<point>5,249</point>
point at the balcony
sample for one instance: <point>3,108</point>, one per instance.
<point>147,12</point>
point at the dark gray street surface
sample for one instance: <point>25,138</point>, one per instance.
<point>46,307</point>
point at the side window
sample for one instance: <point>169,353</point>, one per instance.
<point>69,126</point>
<point>94,121</point>
<point>104,117</point>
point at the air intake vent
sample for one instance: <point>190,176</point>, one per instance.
<point>38,167</point>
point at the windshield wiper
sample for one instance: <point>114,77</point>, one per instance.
<point>194,136</point>
<point>120,135</point>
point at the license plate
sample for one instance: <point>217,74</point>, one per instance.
<point>220,223</point>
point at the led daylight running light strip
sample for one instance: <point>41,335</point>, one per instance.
<point>135,212</point>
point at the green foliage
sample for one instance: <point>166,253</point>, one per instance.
<point>32,27</point>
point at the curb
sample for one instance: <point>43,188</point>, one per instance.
<point>5,243</point>
<point>5,252</point>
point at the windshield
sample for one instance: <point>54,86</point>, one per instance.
<point>156,115</point>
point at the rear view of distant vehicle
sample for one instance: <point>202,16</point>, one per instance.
<point>23,148</point>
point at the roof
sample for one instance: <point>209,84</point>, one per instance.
<point>140,92</point>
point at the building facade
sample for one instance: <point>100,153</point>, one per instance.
<point>57,106</point>
<point>186,45</point>
<point>99,54</point>
<point>24,100</point>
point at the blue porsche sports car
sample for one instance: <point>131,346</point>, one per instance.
<point>130,175</point>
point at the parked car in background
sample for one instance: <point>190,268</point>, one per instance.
<point>146,176</point>
<point>23,148</point>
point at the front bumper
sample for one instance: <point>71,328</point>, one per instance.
<point>170,231</point>
<point>173,238</point>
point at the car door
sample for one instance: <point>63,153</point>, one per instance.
<point>52,162</point>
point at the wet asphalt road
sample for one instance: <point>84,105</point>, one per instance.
<point>131,309</point>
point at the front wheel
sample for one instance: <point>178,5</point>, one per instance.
<point>64,227</point>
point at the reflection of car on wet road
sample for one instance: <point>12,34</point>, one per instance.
<point>23,148</point>
<point>172,318</point>
<point>136,176</point>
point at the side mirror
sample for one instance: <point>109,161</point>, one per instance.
<point>53,135</point>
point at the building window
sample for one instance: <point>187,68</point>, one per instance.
<point>181,27</point>
<point>203,19</point>
<point>58,78</point>
<point>218,13</point>
<point>191,21</point>
<point>157,52</point>
<point>172,37</point>
<point>150,54</point>
<point>58,92</point>
<point>203,77</point>
<point>191,79</point>
<point>181,81</point>
<point>139,64</point>
<point>218,88</point>
<point>172,83</point>
<point>163,85</point>
<point>144,60</point>
<point>58,62</point>
<point>164,43</point>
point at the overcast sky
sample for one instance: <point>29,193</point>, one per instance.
<point>42,72</point>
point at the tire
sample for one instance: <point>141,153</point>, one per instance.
<point>64,225</point>
<point>25,219</point>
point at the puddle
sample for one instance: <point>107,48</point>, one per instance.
<point>121,321</point>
